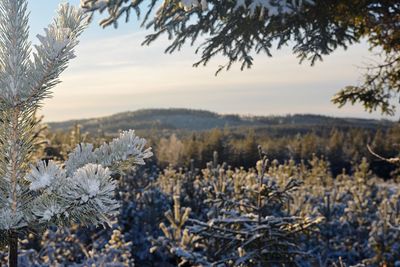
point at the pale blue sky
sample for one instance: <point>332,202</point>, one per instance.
<point>113,73</point>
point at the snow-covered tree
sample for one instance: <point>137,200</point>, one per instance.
<point>243,219</point>
<point>34,195</point>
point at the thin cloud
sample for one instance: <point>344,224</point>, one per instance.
<point>114,73</point>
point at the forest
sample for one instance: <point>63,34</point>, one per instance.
<point>185,187</point>
<point>325,200</point>
<point>180,136</point>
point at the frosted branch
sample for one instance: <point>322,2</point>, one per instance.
<point>128,145</point>
<point>45,175</point>
<point>55,50</point>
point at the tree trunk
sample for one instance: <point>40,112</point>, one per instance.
<point>13,249</point>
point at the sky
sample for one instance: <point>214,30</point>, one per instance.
<point>113,73</point>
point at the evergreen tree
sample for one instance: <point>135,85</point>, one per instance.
<point>213,142</point>
<point>34,195</point>
<point>249,148</point>
<point>335,151</point>
<point>191,149</point>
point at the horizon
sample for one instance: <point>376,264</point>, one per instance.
<point>223,114</point>
<point>114,73</point>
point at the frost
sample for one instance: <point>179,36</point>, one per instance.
<point>126,146</point>
<point>87,181</point>
<point>44,174</point>
<point>54,41</point>
<point>100,4</point>
<point>271,7</point>
<point>80,156</point>
<point>94,187</point>
<point>10,219</point>
<point>47,209</point>
<point>189,4</point>
<point>79,191</point>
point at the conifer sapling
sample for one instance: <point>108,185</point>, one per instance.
<point>37,194</point>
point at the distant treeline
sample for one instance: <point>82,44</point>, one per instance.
<point>200,120</point>
<point>341,147</point>
<point>238,147</point>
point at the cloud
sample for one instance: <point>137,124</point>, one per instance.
<point>114,73</point>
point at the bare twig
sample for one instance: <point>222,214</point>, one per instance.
<point>390,160</point>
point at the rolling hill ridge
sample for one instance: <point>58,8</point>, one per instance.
<point>201,120</point>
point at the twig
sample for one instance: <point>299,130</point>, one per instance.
<point>390,160</point>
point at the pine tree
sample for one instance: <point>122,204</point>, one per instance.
<point>34,195</point>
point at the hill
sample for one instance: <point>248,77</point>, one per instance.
<point>200,120</point>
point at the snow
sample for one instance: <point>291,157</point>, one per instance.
<point>272,7</point>
<point>189,4</point>
<point>100,4</point>
<point>43,174</point>
<point>126,146</point>
<point>48,214</point>
<point>93,187</point>
<point>10,220</point>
